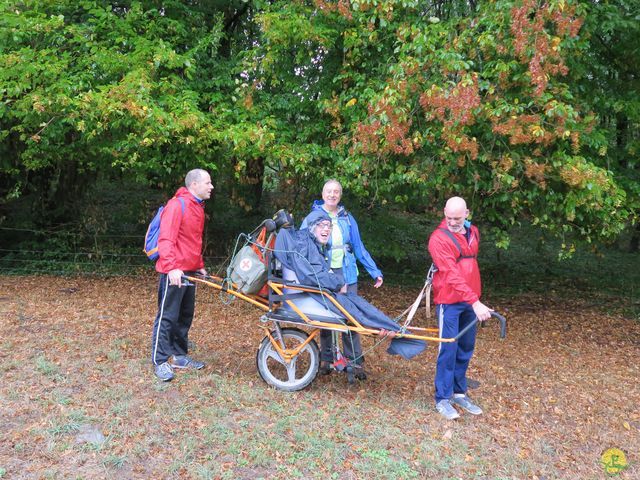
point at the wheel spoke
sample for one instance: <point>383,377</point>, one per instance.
<point>275,355</point>
<point>285,375</point>
<point>291,369</point>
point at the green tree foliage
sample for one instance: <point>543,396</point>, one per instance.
<point>605,79</point>
<point>93,88</point>
<point>405,101</point>
<point>420,101</point>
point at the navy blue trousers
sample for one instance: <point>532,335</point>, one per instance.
<point>454,358</point>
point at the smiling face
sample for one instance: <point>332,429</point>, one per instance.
<point>331,194</point>
<point>322,231</point>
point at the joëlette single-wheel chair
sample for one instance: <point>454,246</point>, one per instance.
<point>288,357</point>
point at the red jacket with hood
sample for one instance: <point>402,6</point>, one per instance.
<point>180,239</point>
<point>457,279</point>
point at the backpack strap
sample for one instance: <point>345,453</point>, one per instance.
<point>434,268</point>
<point>456,243</point>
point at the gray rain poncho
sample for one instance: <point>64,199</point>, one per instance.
<point>300,252</point>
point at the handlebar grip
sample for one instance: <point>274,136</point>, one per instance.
<point>503,323</point>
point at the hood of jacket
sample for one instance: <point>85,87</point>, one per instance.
<point>319,205</point>
<point>313,218</point>
<point>317,215</point>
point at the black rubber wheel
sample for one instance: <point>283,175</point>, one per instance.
<point>299,372</point>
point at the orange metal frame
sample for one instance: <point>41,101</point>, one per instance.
<point>252,299</point>
<point>351,325</point>
<point>289,354</point>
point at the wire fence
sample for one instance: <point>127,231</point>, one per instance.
<point>60,252</point>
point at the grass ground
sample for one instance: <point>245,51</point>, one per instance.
<point>557,393</point>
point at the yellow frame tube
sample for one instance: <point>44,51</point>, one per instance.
<point>258,303</point>
<point>277,287</point>
<point>288,354</point>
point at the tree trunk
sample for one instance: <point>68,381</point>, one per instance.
<point>634,243</point>
<point>247,192</point>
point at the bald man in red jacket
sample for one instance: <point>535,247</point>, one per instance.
<point>180,253</point>
<point>457,288</point>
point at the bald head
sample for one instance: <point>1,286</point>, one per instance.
<point>455,205</point>
<point>455,213</point>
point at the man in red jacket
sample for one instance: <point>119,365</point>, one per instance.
<point>456,284</point>
<point>180,250</point>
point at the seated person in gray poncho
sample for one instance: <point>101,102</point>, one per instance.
<point>304,253</point>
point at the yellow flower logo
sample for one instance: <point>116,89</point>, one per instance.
<point>613,460</point>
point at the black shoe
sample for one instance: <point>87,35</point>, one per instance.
<point>361,375</point>
<point>351,377</point>
<point>325,368</point>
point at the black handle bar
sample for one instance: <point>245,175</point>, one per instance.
<point>503,323</point>
<point>496,315</point>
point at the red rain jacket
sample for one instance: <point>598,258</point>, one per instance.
<point>180,240</point>
<point>457,279</point>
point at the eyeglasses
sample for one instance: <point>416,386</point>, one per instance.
<point>324,225</point>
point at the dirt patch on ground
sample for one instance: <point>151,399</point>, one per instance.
<point>557,393</point>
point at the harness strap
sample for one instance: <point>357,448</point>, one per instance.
<point>456,243</point>
<point>343,246</point>
<point>426,292</point>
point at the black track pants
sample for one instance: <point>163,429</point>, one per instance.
<point>176,306</point>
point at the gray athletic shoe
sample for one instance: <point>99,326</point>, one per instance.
<point>164,372</point>
<point>184,361</point>
<point>445,409</point>
<point>466,403</point>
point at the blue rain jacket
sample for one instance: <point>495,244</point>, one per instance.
<point>351,236</point>
<point>299,251</point>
